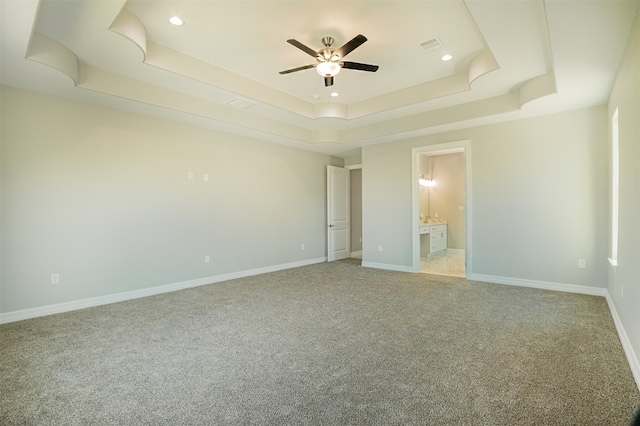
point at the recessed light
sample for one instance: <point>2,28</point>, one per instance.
<point>334,94</point>
<point>176,21</point>
<point>447,57</point>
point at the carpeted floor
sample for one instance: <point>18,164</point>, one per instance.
<point>331,343</point>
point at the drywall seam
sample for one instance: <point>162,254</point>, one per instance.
<point>151,291</point>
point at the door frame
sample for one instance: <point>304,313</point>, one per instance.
<point>439,149</point>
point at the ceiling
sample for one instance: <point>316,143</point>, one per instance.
<point>220,70</point>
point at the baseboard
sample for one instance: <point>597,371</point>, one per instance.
<point>356,253</point>
<point>151,291</point>
<point>632,357</point>
<point>568,288</point>
<point>389,267</point>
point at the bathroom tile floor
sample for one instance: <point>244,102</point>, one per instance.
<point>450,263</point>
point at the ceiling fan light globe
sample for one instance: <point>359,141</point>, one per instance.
<point>328,69</point>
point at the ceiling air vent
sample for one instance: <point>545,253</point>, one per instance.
<point>241,103</point>
<point>434,43</point>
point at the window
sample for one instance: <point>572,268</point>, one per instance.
<point>615,187</point>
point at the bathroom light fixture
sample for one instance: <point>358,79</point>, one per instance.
<point>176,21</point>
<point>423,181</point>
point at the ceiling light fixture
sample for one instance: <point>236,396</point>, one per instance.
<point>334,94</point>
<point>328,69</point>
<point>447,57</point>
<point>176,21</point>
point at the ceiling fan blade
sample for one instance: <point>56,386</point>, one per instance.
<point>328,81</point>
<point>351,45</point>
<point>306,67</point>
<point>359,66</point>
<point>302,47</point>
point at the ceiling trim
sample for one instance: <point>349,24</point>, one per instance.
<point>45,50</point>
<point>129,26</point>
<point>104,49</point>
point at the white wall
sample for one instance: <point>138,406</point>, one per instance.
<point>102,198</point>
<point>539,198</point>
<point>625,97</point>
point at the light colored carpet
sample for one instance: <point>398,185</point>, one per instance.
<point>331,343</point>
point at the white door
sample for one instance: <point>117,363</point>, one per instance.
<point>338,214</point>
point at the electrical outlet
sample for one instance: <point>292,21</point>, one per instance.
<point>461,208</point>
<point>582,263</point>
<point>205,177</point>
<point>436,215</point>
<point>379,248</point>
<point>190,175</point>
<point>55,278</point>
<point>360,239</point>
<point>301,246</point>
<point>207,259</point>
<point>621,291</point>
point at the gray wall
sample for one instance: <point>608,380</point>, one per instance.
<point>539,189</point>
<point>624,281</point>
<point>102,198</point>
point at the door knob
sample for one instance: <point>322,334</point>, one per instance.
<point>331,226</point>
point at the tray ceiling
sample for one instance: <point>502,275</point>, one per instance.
<point>220,69</point>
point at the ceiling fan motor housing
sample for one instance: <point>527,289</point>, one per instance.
<point>327,41</point>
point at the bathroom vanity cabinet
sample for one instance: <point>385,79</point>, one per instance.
<point>437,239</point>
<point>433,237</point>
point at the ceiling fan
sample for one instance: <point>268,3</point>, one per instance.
<point>330,60</point>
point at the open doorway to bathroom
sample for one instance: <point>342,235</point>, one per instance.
<point>441,209</point>
<point>355,180</point>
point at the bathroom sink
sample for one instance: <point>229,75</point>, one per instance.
<point>432,222</point>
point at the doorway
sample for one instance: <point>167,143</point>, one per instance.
<point>441,199</point>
